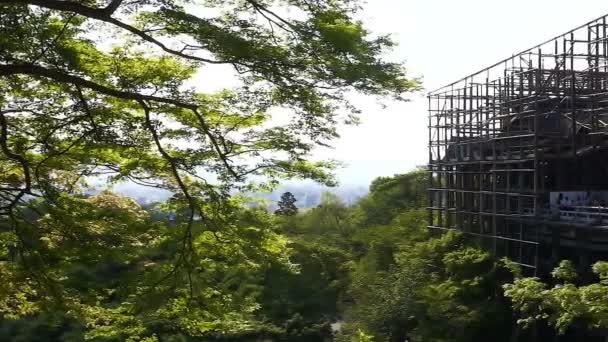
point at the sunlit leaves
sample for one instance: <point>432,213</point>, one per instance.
<point>107,90</point>
<point>563,305</point>
<point>17,293</point>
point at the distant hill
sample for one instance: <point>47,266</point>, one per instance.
<point>307,193</point>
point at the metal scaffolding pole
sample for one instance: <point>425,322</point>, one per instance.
<point>493,133</point>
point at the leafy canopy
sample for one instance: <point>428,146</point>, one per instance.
<point>565,304</point>
<point>108,88</point>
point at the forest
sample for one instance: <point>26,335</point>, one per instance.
<point>111,91</point>
<point>372,267</point>
<point>367,272</point>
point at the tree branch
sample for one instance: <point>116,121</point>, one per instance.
<point>87,110</point>
<point>15,157</point>
<point>215,144</point>
<point>112,7</point>
<point>55,40</point>
<point>35,70</point>
<point>103,14</point>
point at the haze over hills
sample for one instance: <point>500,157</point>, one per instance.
<point>354,180</point>
<point>307,193</point>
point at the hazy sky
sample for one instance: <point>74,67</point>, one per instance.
<point>442,40</point>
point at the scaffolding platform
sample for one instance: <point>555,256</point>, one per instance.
<point>503,139</point>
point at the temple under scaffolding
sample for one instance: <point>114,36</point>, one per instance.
<point>518,151</point>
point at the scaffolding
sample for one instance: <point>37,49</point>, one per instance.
<point>498,138</point>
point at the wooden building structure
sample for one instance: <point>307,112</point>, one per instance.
<point>508,144</point>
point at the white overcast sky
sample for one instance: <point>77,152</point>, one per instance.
<point>442,40</point>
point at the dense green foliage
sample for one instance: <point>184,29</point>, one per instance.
<point>108,267</point>
<point>375,268</point>
<point>111,90</point>
<point>564,304</point>
<point>287,282</point>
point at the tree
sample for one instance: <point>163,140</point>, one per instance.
<point>319,241</point>
<point>287,206</point>
<point>385,281</point>
<point>389,196</point>
<point>95,88</point>
<point>438,289</point>
<point>565,304</point>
